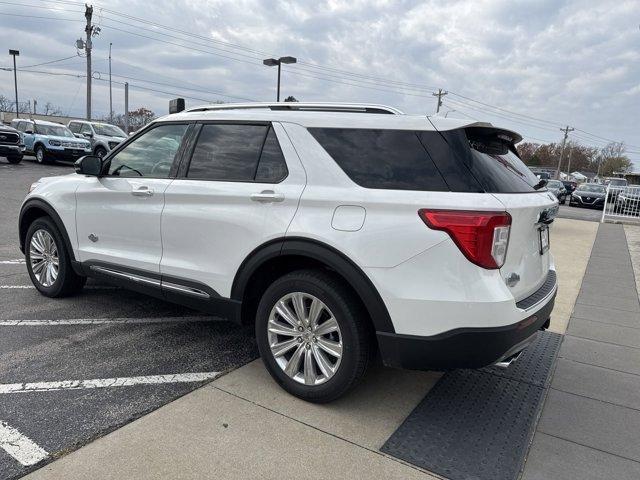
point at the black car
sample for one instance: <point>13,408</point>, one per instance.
<point>11,145</point>
<point>590,195</point>
<point>558,189</point>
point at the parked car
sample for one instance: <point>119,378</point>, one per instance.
<point>336,230</point>
<point>50,141</point>
<point>104,137</point>
<point>570,186</point>
<point>614,187</point>
<point>558,189</point>
<point>628,201</point>
<point>589,195</point>
<point>11,145</point>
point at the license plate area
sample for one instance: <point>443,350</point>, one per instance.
<point>543,239</point>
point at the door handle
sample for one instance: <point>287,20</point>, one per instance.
<point>267,196</point>
<point>142,191</point>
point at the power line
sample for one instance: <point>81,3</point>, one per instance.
<point>308,67</point>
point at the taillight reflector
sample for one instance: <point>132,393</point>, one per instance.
<point>482,237</point>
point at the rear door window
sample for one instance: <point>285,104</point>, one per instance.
<point>272,167</point>
<point>382,159</point>
<point>227,152</point>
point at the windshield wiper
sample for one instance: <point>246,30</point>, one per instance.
<point>540,184</point>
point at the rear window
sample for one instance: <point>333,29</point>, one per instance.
<point>383,159</point>
<point>491,160</point>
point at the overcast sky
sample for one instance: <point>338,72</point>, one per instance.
<point>565,62</point>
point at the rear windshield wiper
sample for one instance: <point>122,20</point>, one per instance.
<point>540,184</point>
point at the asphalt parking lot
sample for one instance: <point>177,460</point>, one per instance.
<point>74,369</point>
<point>577,213</point>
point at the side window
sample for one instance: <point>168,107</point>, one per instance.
<point>385,159</point>
<point>20,126</point>
<point>150,155</point>
<point>272,167</point>
<point>86,128</point>
<point>227,152</point>
<point>74,127</point>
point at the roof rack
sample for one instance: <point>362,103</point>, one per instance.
<point>303,107</point>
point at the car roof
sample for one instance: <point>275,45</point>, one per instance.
<point>329,118</point>
<point>39,122</point>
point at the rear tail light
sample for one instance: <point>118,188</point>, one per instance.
<point>482,237</point>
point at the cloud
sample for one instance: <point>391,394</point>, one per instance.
<point>569,61</point>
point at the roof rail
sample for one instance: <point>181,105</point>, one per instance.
<point>304,107</point>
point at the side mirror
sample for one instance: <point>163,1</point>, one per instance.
<point>88,135</point>
<point>89,165</point>
<point>78,135</point>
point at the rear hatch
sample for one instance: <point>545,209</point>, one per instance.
<point>527,255</point>
<point>502,173</point>
<point>492,162</point>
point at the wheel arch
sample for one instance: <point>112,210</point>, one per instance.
<point>35,208</point>
<point>284,255</point>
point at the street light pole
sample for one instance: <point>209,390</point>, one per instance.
<point>15,54</point>
<point>272,62</point>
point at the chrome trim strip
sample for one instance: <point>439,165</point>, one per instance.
<point>185,289</point>
<point>128,276</point>
<point>544,299</point>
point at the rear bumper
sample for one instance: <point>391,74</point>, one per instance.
<point>464,347</point>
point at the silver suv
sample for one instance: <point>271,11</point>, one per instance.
<point>104,137</point>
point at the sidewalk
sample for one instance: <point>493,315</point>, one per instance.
<point>590,425</point>
<point>244,426</point>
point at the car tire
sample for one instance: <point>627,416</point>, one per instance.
<point>101,152</point>
<point>14,160</point>
<point>49,262</point>
<point>302,364</point>
<point>41,155</point>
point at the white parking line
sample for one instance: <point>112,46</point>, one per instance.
<point>20,447</point>
<point>106,382</point>
<point>18,261</point>
<point>102,321</point>
<point>26,287</point>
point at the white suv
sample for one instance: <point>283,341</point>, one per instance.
<point>338,230</point>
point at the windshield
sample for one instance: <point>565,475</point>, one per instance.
<point>108,130</point>
<point>53,130</point>
<point>592,188</point>
<point>554,184</point>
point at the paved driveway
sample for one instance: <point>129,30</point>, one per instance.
<point>74,369</point>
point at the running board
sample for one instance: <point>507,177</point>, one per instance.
<point>187,290</point>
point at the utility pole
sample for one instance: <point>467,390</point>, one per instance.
<point>566,131</point>
<point>441,93</point>
<point>569,164</point>
<point>126,108</point>
<point>110,94</point>
<point>88,13</point>
<point>15,54</point>
<point>90,31</point>
<point>35,106</point>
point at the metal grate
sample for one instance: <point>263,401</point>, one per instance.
<point>478,424</point>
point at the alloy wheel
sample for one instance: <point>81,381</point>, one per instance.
<point>305,338</point>
<point>40,155</point>
<point>43,258</point>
